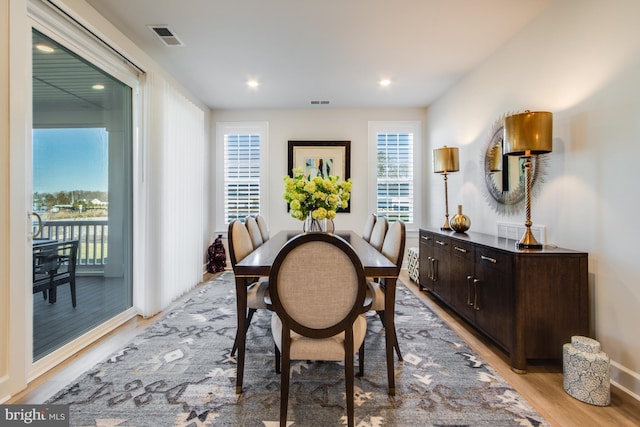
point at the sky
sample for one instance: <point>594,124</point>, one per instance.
<point>70,159</point>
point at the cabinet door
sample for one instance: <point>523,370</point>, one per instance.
<point>493,302</point>
<point>441,265</point>
<point>461,278</point>
<point>425,264</point>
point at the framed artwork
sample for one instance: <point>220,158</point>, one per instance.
<point>321,158</point>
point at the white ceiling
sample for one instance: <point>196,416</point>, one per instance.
<point>329,50</point>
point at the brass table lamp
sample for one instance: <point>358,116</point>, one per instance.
<point>527,135</point>
<point>445,160</point>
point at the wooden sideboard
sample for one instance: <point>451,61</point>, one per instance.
<point>529,302</point>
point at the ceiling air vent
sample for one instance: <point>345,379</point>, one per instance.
<point>165,34</point>
<point>320,102</point>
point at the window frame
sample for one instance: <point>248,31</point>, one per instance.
<point>222,129</point>
<point>412,127</point>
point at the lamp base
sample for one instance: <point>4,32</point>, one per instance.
<point>446,226</point>
<point>528,241</point>
<point>521,245</point>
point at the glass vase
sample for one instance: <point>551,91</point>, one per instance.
<point>314,225</point>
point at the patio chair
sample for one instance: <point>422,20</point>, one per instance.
<point>54,264</point>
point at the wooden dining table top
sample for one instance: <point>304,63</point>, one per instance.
<point>259,262</point>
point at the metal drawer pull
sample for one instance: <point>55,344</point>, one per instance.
<point>469,278</point>
<point>434,266</point>
<point>425,238</point>
<point>486,258</point>
<point>475,296</point>
<point>463,250</point>
<point>440,243</point>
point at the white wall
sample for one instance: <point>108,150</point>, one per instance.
<point>580,60</point>
<point>314,124</point>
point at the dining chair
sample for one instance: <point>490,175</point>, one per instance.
<point>378,232</point>
<point>240,245</point>
<point>393,249</point>
<point>368,227</point>
<point>254,231</point>
<point>318,289</point>
<point>262,225</point>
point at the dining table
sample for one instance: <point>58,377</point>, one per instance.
<point>259,262</point>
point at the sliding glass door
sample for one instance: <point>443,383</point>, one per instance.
<point>82,192</point>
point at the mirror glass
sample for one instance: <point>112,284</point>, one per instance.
<point>504,175</point>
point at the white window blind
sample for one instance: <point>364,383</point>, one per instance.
<point>395,176</point>
<point>241,175</point>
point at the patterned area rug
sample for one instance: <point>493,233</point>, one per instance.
<point>178,373</point>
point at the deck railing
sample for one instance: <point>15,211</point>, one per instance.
<point>91,234</point>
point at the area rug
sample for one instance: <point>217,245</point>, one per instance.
<point>178,372</point>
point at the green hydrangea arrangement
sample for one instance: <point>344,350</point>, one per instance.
<point>318,196</point>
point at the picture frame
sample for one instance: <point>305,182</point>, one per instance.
<point>321,157</point>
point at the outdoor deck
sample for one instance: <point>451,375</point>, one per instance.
<point>98,299</point>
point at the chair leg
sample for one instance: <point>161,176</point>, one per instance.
<point>52,289</point>
<point>284,378</point>
<point>235,342</point>
<point>395,343</point>
<point>72,286</point>
<point>277,352</point>
<point>348,373</point>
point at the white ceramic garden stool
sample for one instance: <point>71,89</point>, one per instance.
<point>586,371</point>
<point>414,270</point>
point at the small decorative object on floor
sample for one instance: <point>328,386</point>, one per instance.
<point>217,256</point>
<point>460,222</point>
<point>586,371</point>
<point>414,268</point>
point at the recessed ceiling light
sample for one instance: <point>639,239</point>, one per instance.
<point>253,83</point>
<point>384,82</point>
<point>44,48</point>
<point>97,86</point>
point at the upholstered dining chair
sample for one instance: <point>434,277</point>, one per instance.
<point>378,232</point>
<point>262,225</point>
<point>240,245</point>
<point>254,231</point>
<point>368,227</point>
<point>318,289</point>
<point>393,249</point>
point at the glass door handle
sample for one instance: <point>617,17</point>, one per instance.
<point>39,230</point>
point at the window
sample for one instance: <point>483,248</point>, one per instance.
<point>394,148</point>
<point>244,153</point>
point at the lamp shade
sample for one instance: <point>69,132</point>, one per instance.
<point>528,133</point>
<point>445,160</point>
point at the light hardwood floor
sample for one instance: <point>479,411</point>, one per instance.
<point>541,386</point>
